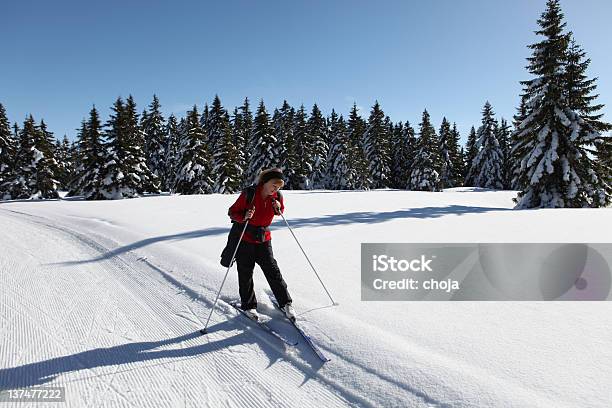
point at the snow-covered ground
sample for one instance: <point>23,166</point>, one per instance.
<point>106,299</point>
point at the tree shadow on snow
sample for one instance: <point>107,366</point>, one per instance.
<point>364,217</point>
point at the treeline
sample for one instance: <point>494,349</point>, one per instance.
<point>215,152</point>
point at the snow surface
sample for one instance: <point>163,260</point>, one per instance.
<point>106,298</point>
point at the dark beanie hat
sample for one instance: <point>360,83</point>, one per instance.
<point>274,174</point>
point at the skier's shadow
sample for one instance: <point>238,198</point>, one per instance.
<point>45,371</point>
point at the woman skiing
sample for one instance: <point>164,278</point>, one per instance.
<point>258,204</point>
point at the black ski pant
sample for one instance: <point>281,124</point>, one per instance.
<point>248,254</point>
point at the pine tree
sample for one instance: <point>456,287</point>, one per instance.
<point>303,151</point>
<point>387,147</point>
<point>244,139</point>
<point>204,125</point>
<point>284,129</point>
<point>173,143</point>
<point>154,129</point>
<point>470,153</point>
<point>125,173</point>
<point>340,173</point>
<point>34,165</point>
<point>503,137</point>
<point>263,142</point>
<point>580,98</point>
<point>226,170</point>
<point>579,89</point>
<point>91,159</point>
<point>374,141</point>
<point>424,175</point>
<point>317,134</point>
<point>517,119</point>
<point>456,158</point>
<point>47,140</point>
<point>195,161</point>
<point>280,147</point>
<point>555,143</point>
<point>447,169</point>
<point>7,152</point>
<point>63,157</point>
<point>401,155</point>
<point>356,129</point>
<point>215,125</point>
<point>45,184</point>
<point>486,169</point>
<point>237,126</point>
<point>412,149</point>
<point>141,173</point>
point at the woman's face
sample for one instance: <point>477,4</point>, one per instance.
<point>271,186</point>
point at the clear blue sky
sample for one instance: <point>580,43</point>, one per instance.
<point>449,56</point>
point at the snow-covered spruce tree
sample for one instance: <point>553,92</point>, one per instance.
<point>503,137</point>
<point>65,164</point>
<point>15,185</point>
<point>243,139</point>
<point>412,143</point>
<point>34,176</point>
<point>604,160</point>
<point>456,157</point>
<point>195,162</point>
<point>579,91</point>
<point>45,184</point>
<point>216,123</point>
<point>154,130</point>
<point>239,142</point>
<point>517,119</point>
<point>181,140</point>
<point>149,182</point>
<point>125,173</point>
<point>50,166</point>
<point>555,143</point>
<point>285,139</point>
<point>486,168</point>
<point>204,124</point>
<point>340,173</point>
<point>77,159</point>
<point>303,150</point>
<point>446,169</point>
<point>400,156</point>
<point>228,175</point>
<point>470,153</point>
<point>374,140</point>
<point>171,158</point>
<point>280,148</point>
<point>356,127</point>
<point>8,149</point>
<point>263,143</point>
<point>425,175</point>
<point>92,157</point>
<point>317,134</point>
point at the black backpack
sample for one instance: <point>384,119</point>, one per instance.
<point>236,230</point>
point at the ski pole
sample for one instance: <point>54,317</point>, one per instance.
<point>203,331</point>
<point>313,268</point>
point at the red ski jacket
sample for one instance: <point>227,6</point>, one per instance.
<point>263,215</point>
